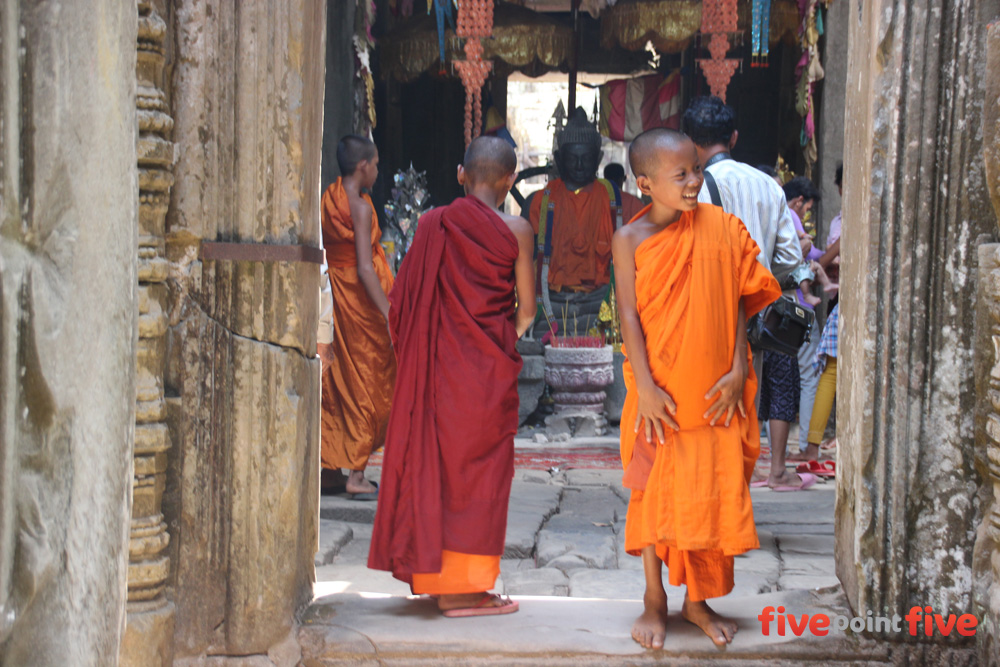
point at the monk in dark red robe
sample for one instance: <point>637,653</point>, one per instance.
<point>455,317</point>
<point>687,278</point>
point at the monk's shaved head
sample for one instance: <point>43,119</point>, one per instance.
<point>352,150</point>
<point>642,154</point>
<point>489,160</point>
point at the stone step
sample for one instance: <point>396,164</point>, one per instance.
<point>360,629</point>
<point>342,508</point>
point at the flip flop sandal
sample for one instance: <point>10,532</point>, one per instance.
<point>817,468</point>
<point>807,481</point>
<point>830,467</point>
<point>506,606</point>
<point>759,483</point>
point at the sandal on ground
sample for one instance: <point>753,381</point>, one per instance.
<point>484,608</point>
<point>824,469</point>
<point>807,481</point>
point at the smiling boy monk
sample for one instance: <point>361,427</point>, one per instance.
<point>687,279</point>
<point>449,455</point>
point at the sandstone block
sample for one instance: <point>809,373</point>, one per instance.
<point>333,535</point>
<point>543,581</point>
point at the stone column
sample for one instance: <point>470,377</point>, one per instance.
<point>68,307</point>
<point>986,564</point>
<point>915,209</point>
<point>242,376</point>
<point>149,631</point>
<point>831,117</point>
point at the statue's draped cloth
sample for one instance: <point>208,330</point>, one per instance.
<point>581,236</point>
<point>357,386</point>
<point>449,458</point>
<point>690,495</point>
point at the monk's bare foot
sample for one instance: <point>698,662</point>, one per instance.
<point>356,483</point>
<point>786,478</point>
<point>720,630</point>
<point>650,629</point>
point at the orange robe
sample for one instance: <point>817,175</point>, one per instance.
<point>581,236</point>
<point>357,386</point>
<point>690,495</point>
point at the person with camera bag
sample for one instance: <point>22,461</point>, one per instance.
<point>760,203</point>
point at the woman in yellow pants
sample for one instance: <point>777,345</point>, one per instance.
<point>826,391</point>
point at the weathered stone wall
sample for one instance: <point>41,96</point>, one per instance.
<point>915,210</point>
<point>986,561</point>
<point>242,379</point>
<point>68,324</point>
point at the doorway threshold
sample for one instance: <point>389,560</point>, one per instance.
<point>378,629</point>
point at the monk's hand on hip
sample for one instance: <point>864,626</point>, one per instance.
<point>655,409</point>
<point>728,395</point>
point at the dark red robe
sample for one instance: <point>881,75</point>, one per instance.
<point>449,451</point>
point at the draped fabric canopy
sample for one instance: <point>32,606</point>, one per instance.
<point>671,24</point>
<point>522,39</point>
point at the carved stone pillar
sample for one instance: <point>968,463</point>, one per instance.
<point>67,327</point>
<point>986,564</point>
<point>915,210</point>
<point>242,376</point>
<point>149,632</point>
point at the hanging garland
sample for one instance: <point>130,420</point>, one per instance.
<point>718,19</point>
<point>809,70</point>
<point>475,20</point>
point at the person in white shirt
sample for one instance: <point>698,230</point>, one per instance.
<point>757,200</point>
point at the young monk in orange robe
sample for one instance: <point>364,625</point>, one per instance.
<point>687,279</point>
<point>449,460</point>
<point>357,385</point>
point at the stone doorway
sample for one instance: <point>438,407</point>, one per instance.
<point>130,353</point>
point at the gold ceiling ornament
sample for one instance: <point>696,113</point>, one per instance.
<point>669,24</point>
<point>521,39</point>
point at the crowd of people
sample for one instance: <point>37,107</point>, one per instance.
<point>425,363</point>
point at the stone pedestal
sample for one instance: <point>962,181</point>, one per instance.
<point>531,380</point>
<point>578,377</point>
<point>68,306</point>
<point>915,211</point>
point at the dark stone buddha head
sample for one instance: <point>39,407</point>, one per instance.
<point>579,153</point>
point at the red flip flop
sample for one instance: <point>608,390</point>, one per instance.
<point>506,606</point>
<point>817,468</point>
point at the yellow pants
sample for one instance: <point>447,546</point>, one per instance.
<point>826,392</point>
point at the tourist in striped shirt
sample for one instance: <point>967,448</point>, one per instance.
<point>760,203</point>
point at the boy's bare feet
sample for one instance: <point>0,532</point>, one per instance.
<point>356,483</point>
<point>650,629</point>
<point>720,630</point>
<point>811,299</point>
<point>466,600</point>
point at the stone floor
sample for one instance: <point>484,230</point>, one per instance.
<point>565,540</point>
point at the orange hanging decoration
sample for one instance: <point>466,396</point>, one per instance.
<point>718,19</point>
<point>475,20</point>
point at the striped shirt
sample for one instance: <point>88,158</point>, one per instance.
<point>828,341</point>
<point>755,198</point>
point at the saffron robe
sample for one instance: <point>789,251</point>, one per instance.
<point>449,459</point>
<point>582,228</point>
<point>690,494</point>
<point>357,386</point>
